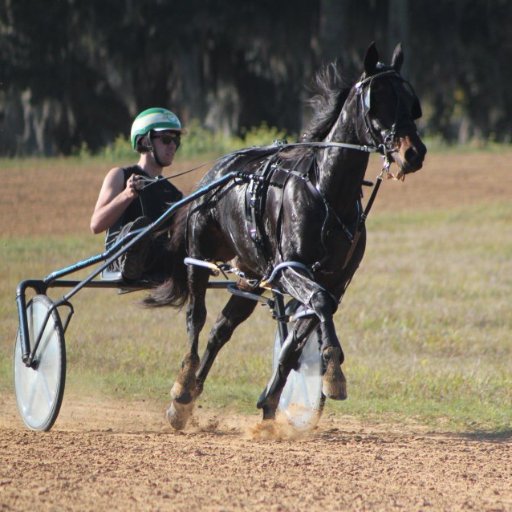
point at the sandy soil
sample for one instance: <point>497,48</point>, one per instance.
<point>102,455</point>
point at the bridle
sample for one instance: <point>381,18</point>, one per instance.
<point>385,146</point>
<point>363,92</point>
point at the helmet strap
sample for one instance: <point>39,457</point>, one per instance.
<point>151,148</point>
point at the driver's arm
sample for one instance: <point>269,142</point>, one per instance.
<point>113,199</point>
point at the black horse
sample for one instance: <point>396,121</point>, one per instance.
<point>295,220</point>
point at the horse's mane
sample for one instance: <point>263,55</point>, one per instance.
<point>330,89</point>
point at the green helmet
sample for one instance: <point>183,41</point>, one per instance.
<point>157,119</point>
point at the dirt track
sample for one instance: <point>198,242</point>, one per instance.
<point>106,456</point>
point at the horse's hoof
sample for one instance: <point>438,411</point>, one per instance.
<point>179,414</point>
<point>268,403</point>
<point>334,384</point>
<point>269,412</point>
<point>262,400</point>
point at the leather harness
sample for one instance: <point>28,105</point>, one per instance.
<point>272,174</point>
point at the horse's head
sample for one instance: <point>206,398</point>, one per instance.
<point>388,108</point>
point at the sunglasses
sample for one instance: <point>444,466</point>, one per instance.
<point>167,138</point>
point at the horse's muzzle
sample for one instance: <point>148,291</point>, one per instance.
<point>410,155</point>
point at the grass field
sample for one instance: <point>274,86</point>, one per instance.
<point>425,325</point>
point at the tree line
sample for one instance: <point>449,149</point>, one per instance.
<point>75,72</point>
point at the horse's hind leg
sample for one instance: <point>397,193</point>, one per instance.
<point>185,390</point>
<point>236,311</point>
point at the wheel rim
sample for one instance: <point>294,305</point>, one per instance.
<point>301,400</point>
<point>39,390</point>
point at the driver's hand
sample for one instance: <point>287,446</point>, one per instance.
<point>134,184</point>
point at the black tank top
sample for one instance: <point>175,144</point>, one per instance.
<point>152,202</point>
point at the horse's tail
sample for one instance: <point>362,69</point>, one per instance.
<point>174,290</point>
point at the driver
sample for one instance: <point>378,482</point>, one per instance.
<point>126,203</point>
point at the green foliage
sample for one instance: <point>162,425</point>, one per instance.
<point>263,135</point>
<point>119,150</point>
<point>198,141</point>
<point>74,83</point>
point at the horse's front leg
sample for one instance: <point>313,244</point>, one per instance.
<point>334,384</point>
<point>185,389</point>
<point>324,305</point>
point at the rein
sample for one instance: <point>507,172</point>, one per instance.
<point>345,145</point>
<point>281,146</point>
<point>366,212</point>
<point>385,148</point>
<point>322,145</point>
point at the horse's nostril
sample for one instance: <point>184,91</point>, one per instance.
<point>410,154</point>
<point>413,155</point>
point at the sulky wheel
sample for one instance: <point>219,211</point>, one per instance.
<point>302,400</point>
<point>39,388</point>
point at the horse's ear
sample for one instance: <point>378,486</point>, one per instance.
<point>370,59</point>
<point>398,58</point>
